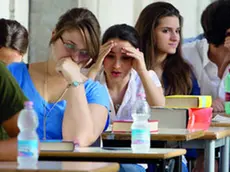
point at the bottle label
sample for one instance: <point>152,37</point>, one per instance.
<point>28,148</point>
<point>140,136</point>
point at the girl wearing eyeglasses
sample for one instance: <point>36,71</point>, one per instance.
<point>69,106</point>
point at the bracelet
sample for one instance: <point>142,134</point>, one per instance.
<point>75,84</point>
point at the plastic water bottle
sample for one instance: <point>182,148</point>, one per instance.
<point>140,141</point>
<point>27,138</point>
<point>227,93</point>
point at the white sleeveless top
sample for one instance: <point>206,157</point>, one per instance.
<point>134,87</point>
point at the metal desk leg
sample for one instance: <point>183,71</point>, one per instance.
<point>161,166</point>
<point>209,156</point>
<point>225,156</point>
<point>178,163</point>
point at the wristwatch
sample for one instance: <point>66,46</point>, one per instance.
<point>75,84</point>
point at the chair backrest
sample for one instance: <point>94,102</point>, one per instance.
<point>97,143</point>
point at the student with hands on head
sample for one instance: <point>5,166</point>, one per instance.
<point>121,68</point>
<point>69,105</point>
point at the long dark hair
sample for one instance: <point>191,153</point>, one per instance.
<point>176,72</point>
<point>123,32</point>
<point>13,35</point>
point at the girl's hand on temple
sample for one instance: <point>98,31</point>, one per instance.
<point>227,40</point>
<point>69,69</point>
<point>104,51</point>
<point>226,60</point>
<point>138,62</point>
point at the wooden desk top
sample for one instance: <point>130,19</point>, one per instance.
<point>214,133</point>
<point>220,124</point>
<point>92,152</point>
<point>164,134</point>
<point>58,166</point>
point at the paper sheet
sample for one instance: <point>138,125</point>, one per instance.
<point>219,118</point>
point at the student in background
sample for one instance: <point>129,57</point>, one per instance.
<point>11,103</point>
<point>13,41</point>
<point>159,26</point>
<point>13,45</point>
<point>211,55</point>
<point>69,105</point>
<point>199,37</point>
<point>121,68</point>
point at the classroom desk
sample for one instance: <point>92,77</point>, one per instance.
<point>51,166</point>
<point>213,138</point>
<point>121,155</point>
<point>207,140</point>
<point>220,124</point>
<point>164,134</point>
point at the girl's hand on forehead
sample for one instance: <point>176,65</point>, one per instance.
<point>138,58</point>
<point>227,39</point>
<point>226,60</point>
<point>104,51</point>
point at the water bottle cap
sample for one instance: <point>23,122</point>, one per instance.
<point>28,103</point>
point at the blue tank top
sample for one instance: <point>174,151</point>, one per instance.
<point>95,94</point>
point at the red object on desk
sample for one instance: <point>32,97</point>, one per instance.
<point>199,118</point>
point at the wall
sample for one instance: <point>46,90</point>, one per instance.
<point>128,11</point>
<point>40,18</point>
<point>16,10</point>
<point>43,17</point>
<point>4,9</point>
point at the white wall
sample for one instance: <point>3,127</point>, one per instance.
<point>115,12</point>
<point>108,12</point>
<point>111,12</point>
<point>22,12</point>
<point>4,9</point>
<point>16,10</point>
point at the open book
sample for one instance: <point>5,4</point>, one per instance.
<point>220,118</point>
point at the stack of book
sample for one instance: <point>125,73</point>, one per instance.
<point>56,146</point>
<point>124,126</point>
<point>184,111</point>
